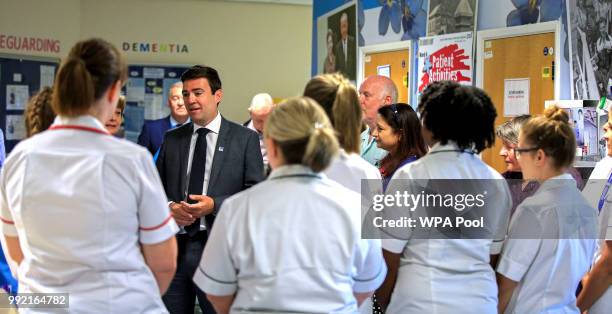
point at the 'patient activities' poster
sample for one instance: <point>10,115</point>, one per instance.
<point>445,58</point>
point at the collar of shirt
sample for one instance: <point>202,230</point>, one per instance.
<point>86,121</point>
<point>365,136</point>
<point>449,146</point>
<point>293,170</point>
<point>252,127</point>
<point>562,180</point>
<point>213,125</point>
<point>173,122</point>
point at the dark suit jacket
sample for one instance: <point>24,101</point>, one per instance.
<point>237,164</point>
<point>346,66</point>
<point>152,133</point>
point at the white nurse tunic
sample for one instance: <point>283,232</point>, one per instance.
<point>82,202</point>
<point>291,244</point>
<point>551,241</point>
<point>447,275</point>
<point>594,192</point>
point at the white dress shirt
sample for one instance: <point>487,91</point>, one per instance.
<point>447,275</point>
<point>291,244</point>
<point>550,245</point>
<point>82,202</point>
<point>211,144</point>
<point>262,145</point>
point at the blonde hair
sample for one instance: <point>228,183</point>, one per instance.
<point>340,100</point>
<point>38,114</point>
<point>121,103</point>
<point>303,133</point>
<point>552,133</point>
<point>92,66</point>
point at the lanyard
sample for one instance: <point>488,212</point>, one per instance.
<point>79,128</point>
<point>604,193</point>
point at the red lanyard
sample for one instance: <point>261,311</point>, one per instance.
<point>80,128</point>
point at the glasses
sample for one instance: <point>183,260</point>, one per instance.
<point>518,151</point>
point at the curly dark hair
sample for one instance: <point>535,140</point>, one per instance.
<point>459,113</point>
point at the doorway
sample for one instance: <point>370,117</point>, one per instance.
<point>522,56</point>
<point>392,60</point>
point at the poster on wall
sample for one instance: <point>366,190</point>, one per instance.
<point>337,43</point>
<point>591,48</point>
<point>583,120</point>
<point>146,93</point>
<point>516,97</point>
<point>17,97</point>
<point>445,57</point>
<point>391,21</point>
<point>15,127</point>
<point>451,16</point>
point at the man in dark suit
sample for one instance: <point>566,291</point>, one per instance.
<point>345,50</point>
<point>201,164</point>
<point>153,131</point>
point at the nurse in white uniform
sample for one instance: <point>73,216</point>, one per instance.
<point>84,213</point>
<point>596,294</point>
<point>292,242</point>
<point>551,239</point>
<point>340,100</point>
<point>448,275</point>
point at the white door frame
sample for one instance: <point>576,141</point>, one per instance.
<point>523,30</point>
<point>399,45</point>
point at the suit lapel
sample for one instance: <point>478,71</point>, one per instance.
<point>184,146</point>
<point>168,124</point>
<point>218,158</point>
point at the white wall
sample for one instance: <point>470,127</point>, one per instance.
<point>59,19</point>
<point>255,47</point>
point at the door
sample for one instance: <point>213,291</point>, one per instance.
<point>396,63</point>
<point>530,56</point>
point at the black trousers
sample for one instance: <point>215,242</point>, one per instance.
<point>182,293</point>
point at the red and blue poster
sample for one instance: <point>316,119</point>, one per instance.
<point>445,58</point>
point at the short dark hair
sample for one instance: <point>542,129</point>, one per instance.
<point>459,113</point>
<point>201,71</point>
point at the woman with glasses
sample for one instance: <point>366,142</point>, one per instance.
<point>520,189</point>
<point>428,274</point>
<point>398,131</point>
<point>551,238</point>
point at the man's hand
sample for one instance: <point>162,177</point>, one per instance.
<point>204,206</point>
<point>181,215</point>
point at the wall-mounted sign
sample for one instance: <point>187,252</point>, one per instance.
<point>445,58</point>
<point>144,47</point>
<point>24,43</point>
